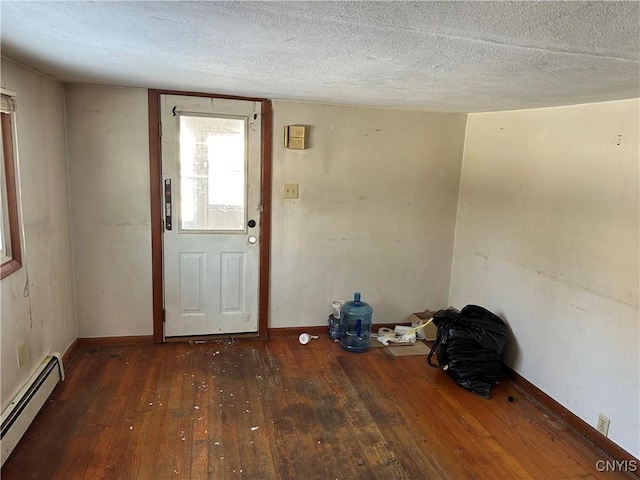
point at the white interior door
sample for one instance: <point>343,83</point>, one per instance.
<point>211,172</point>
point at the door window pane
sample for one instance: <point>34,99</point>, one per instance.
<point>212,173</point>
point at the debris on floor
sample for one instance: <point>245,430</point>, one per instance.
<point>401,335</point>
<point>418,348</point>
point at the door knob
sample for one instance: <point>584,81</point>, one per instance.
<point>251,223</point>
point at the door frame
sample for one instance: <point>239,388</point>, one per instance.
<point>156,192</point>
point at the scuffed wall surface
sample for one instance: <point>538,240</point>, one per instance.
<point>108,137</point>
<point>547,238</point>
<point>378,191</point>
<point>38,300</point>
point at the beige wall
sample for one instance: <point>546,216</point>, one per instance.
<point>108,139</point>
<point>376,213</point>
<point>37,301</point>
<point>547,237</point>
<point>378,193</point>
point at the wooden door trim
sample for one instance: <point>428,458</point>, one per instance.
<point>155,173</point>
<point>265,219</point>
<point>156,193</point>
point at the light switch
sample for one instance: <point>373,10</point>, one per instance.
<point>290,190</point>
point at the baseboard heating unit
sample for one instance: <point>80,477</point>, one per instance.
<point>19,414</point>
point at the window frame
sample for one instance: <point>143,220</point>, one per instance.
<point>13,263</point>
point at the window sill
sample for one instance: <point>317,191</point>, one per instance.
<point>9,267</point>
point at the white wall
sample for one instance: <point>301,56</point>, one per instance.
<point>378,193</point>
<point>376,213</point>
<point>37,300</point>
<point>108,141</point>
<point>547,238</point>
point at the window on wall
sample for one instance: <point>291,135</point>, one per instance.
<point>10,252</point>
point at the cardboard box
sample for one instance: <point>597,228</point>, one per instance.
<point>430,331</point>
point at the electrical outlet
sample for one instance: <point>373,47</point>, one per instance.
<point>22,355</point>
<point>603,424</point>
<point>290,190</point>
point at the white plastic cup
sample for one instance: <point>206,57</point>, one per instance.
<point>337,307</point>
<point>306,338</point>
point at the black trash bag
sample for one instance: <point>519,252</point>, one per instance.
<point>470,345</point>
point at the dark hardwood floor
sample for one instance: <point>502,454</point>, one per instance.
<point>280,410</point>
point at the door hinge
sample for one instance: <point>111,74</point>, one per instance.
<point>162,224</point>
<point>160,129</point>
<point>164,315</point>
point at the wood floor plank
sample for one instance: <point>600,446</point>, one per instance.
<point>155,397</point>
<point>121,458</point>
<point>82,400</point>
<point>118,379</point>
<point>325,423</point>
<point>269,386</point>
<point>201,410</point>
<point>249,424</point>
<point>293,414</point>
<point>276,409</point>
<point>265,465</point>
<point>170,454</point>
<point>232,420</point>
<point>216,445</point>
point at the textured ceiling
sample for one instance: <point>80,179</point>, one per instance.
<point>442,56</point>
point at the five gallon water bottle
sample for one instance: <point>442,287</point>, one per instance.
<point>356,325</point>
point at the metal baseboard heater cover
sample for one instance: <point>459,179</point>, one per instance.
<point>19,414</point>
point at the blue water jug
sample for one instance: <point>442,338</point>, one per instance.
<point>356,325</point>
